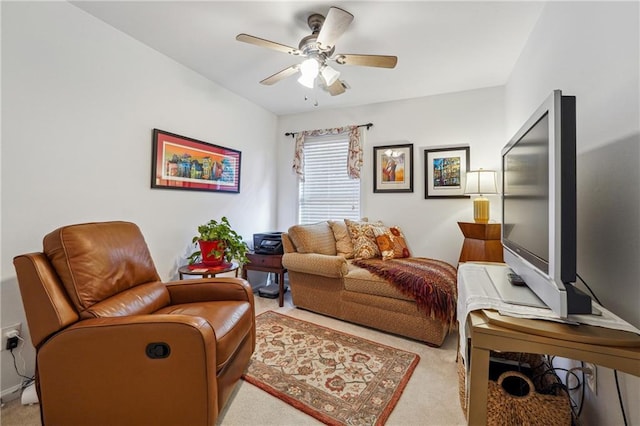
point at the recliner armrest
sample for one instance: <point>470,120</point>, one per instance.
<point>137,325</point>
<point>209,289</point>
<point>316,264</point>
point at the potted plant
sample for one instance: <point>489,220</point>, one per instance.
<point>219,243</point>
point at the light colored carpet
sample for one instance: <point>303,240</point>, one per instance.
<point>430,398</point>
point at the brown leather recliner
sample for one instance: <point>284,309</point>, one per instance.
<point>116,346</point>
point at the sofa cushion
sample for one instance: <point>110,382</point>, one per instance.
<point>314,238</point>
<point>391,242</point>
<point>344,246</point>
<point>359,280</point>
<point>363,239</point>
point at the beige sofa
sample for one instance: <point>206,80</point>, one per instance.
<point>323,280</point>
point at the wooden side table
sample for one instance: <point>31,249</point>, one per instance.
<point>615,349</point>
<point>267,263</point>
<point>207,272</point>
<point>481,242</point>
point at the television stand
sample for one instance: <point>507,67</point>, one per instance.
<point>482,330</point>
<point>488,330</point>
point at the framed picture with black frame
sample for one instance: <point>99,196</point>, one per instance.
<point>179,162</point>
<point>393,168</point>
<point>445,172</point>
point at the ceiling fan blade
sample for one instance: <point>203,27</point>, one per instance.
<point>380,61</point>
<point>280,75</point>
<point>267,43</point>
<point>335,24</point>
<point>336,88</point>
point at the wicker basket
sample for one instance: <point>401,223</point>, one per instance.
<point>534,408</point>
<point>504,409</point>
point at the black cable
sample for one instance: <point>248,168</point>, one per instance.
<point>556,387</point>
<point>624,417</point>
<point>552,370</point>
<point>582,392</point>
<point>615,372</point>
<point>16,367</point>
<point>575,410</point>
<point>589,288</point>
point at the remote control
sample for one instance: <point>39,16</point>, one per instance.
<point>515,279</point>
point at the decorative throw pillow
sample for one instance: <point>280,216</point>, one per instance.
<point>391,242</point>
<point>344,246</point>
<point>363,239</point>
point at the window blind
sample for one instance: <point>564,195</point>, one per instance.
<point>327,192</point>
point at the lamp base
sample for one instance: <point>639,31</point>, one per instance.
<point>481,210</point>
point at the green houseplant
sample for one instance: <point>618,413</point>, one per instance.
<point>224,244</point>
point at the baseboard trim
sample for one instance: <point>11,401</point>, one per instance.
<point>11,393</point>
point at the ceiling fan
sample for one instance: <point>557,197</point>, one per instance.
<point>318,49</point>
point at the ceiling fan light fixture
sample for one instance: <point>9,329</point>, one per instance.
<point>307,81</point>
<point>309,68</point>
<point>329,75</point>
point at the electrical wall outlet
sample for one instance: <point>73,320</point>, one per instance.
<point>8,332</point>
<point>590,377</point>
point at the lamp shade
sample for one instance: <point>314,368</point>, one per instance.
<point>481,182</point>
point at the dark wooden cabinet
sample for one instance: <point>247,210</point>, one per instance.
<point>267,263</point>
<point>481,242</point>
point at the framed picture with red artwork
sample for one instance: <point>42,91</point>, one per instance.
<point>180,162</point>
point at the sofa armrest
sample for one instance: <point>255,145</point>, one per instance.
<point>316,264</point>
<point>209,289</point>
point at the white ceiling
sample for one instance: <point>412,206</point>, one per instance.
<point>442,47</point>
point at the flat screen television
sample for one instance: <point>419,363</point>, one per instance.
<point>539,205</point>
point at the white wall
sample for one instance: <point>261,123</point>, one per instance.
<point>474,118</point>
<point>79,103</point>
<point>591,50</point>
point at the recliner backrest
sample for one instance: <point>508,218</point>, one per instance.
<point>97,261</point>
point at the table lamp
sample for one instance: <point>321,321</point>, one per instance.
<point>481,182</point>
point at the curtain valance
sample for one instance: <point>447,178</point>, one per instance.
<point>354,159</point>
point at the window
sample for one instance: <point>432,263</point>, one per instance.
<point>327,192</point>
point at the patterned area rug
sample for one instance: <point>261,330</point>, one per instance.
<point>337,378</point>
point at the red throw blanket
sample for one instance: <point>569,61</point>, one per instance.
<point>433,283</point>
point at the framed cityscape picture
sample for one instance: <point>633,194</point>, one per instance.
<point>445,170</point>
<point>180,162</point>
<point>393,168</point>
